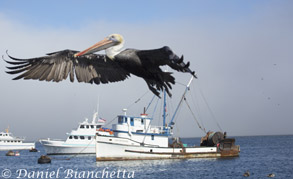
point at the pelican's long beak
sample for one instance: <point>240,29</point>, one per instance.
<point>102,45</point>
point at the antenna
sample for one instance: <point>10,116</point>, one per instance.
<point>98,105</point>
<point>96,114</point>
<point>124,111</point>
<point>7,129</point>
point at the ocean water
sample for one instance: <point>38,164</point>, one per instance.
<point>260,155</point>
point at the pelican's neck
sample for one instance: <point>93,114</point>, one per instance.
<point>113,51</point>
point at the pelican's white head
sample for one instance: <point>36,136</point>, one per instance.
<point>115,49</point>
<point>113,45</point>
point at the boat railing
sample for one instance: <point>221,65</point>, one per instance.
<point>19,138</point>
<point>49,139</point>
<point>12,137</point>
<point>160,130</point>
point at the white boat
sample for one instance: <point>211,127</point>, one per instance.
<point>79,141</point>
<point>136,139</point>
<point>10,142</point>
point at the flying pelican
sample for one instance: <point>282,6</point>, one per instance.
<point>116,65</point>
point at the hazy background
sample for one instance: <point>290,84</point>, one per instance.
<point>241,51</point>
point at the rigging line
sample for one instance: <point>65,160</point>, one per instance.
<point>128,107</point>
<point>178,112</point>
<point>149,126</point>
<point>150,103</point>
<point>213,116</point>
<point>176,117</point>
<point>155,108</point>
<point>203,129</point>
<point>81,150</point>
<point>196,104</point>
<point>180,84</point>
<point>69,158</point>
<point>110,121</point>
<point>151,120</point>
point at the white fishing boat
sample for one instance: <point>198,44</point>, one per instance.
<point>136,139</point>
<point>10,142</point>
<point>79,141</point>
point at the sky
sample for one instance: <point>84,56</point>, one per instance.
<point>241,51</point>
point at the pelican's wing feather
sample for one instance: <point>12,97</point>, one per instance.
<point>57,66</point>
<point>163,56</point>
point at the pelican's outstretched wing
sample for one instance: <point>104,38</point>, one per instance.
<point>57,66</point>
<point>163,56</point>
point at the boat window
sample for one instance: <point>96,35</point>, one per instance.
<point>92,126</point>
<point>0,134</point>
<point>82,137</point>
<point>125,119</point>
<point>141,121</point>
<point>153,137</point>
<point>99,126</point>
<point>81,126</point>
<point>70,137</point>
<point>75,137</point>
<point>87,126</point>
<point>120,120</point>
<point>89,137</point>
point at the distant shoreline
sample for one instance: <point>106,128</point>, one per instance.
<point>247,136</point>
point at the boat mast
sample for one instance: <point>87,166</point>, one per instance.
<point>164,112</point>
<point>7,129</point>
<point>183,96</point>
<point>96,114</point>
<point>165,109</point>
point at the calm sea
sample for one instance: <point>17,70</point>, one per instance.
<point>260,155</point>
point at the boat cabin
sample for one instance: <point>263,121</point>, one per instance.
<point>85,131</point>
<point>139,129</point>
<point>6,137</point>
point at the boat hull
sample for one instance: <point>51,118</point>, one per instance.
<point>62,148</point>
<point>18,146</point>
<point>112,149</point>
